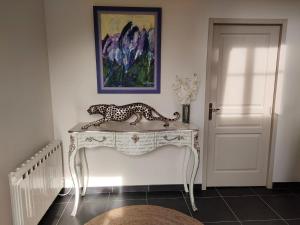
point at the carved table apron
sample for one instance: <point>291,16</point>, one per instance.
<point>129,139</point>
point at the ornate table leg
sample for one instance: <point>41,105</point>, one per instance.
<point>84,171</point>
<point>72,162</point>
<point>185,168</point>
<point>195,168</point>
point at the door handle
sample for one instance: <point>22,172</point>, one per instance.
<point>211,109</point>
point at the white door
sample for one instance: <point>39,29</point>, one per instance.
<point>241,88</point>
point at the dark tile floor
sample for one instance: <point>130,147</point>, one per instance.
<point>225,206</point>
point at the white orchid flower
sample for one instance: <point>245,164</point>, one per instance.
<point>186,89</point>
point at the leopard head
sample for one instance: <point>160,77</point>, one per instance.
<point>97,109</point>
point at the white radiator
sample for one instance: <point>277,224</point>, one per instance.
<point>35,184</point>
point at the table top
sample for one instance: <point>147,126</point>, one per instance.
<point>150,126</point>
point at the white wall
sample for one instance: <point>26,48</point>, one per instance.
<point>184,46</point>
<point>25,101</point>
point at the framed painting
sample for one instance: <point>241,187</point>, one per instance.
<point>128,42</point>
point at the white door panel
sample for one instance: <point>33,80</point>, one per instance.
<point>245,148</point>
<point>231,120</point>
<point>242,80</point>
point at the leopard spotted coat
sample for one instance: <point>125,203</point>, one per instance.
<point>125,112</point>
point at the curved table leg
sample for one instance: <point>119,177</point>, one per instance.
<point>85,171</point>
<point>72,162</point>
<point>185,168</point>
<point>195,167</point>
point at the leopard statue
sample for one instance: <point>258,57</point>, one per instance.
<point>125,112</point>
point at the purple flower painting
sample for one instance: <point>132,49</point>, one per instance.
<point>128,49</point>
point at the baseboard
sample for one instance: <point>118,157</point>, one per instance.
<point>168,187</point>
<point>137,188</point>
<point>286,185</point>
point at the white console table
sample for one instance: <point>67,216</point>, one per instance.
<point>129,139</point>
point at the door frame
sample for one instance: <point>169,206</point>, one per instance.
<point>282,23</point>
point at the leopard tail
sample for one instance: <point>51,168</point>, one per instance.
<point>162,118</point>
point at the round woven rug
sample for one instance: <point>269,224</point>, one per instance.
<point>143,215</point>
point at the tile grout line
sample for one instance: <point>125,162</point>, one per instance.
<point>270,207</point>
<point>221,221</point>
<point>271,195</point>
<point>293,219</point>
<point>160,198</point>
<point>229,221</point>
<point>262,220</point>
<point>234,196</point>
<point>207,197</point>
<point>127,199</point>
<point>236,217</point>
<point>187,204</point>
<point>62,213</point>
